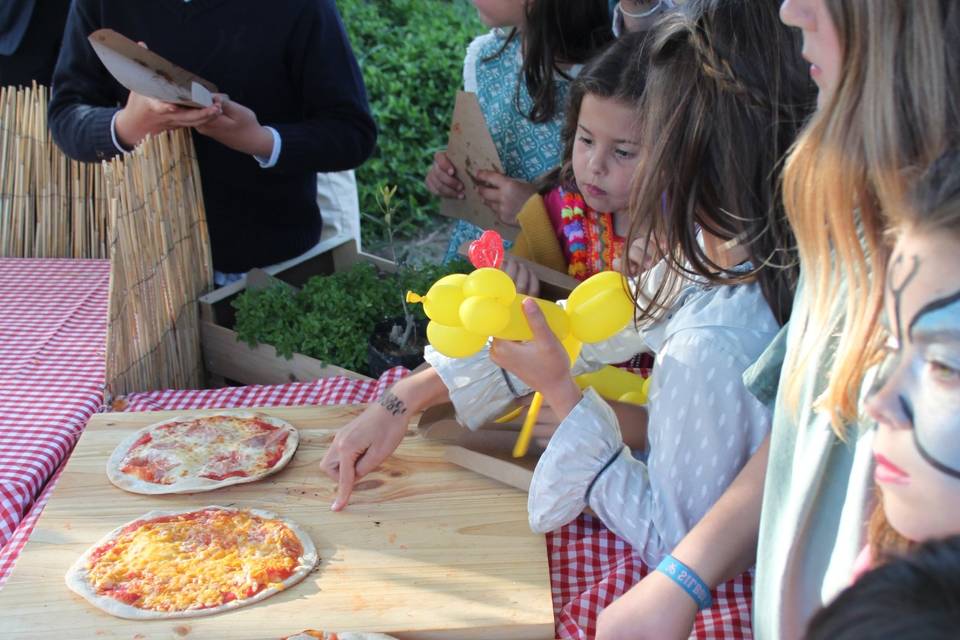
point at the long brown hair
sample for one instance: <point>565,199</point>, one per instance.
<point>894,107</point>
<point>619,72</point>
<point>933,207</point>
<point>727,92</point>
<point>557,32</point>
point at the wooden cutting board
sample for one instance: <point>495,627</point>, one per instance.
<point>426,549</point>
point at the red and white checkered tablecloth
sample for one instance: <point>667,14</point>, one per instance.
<point>53,326</point>
<point>589,565</point>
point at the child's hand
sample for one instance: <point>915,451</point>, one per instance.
<point>238,129</point>
<point>505,196</point>
<point>523,277</point>
<point>442,178</point>
<point>642,256</point>
<point>143,115</point>
<point>541,363</point>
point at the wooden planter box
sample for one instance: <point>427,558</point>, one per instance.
<point>227,359</point>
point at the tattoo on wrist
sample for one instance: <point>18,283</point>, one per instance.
<point>393,404</point>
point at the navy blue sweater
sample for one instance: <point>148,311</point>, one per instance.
<point>287,60</point>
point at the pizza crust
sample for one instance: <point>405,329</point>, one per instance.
<point>310,634</point>
<point>77,581</point>
<point>195,484</point>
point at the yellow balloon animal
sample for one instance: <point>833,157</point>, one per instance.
<point>466,310</point>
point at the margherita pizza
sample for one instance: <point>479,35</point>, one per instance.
<point>192,563</point>
<point>201,453</point>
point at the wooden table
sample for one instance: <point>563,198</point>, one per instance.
<point>425,550</point>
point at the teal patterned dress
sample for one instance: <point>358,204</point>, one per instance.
<point>527,150</point>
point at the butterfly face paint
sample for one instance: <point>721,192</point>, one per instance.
<point>934,398</point>
<point>915,398</point>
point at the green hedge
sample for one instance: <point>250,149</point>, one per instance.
<point>411,53</point>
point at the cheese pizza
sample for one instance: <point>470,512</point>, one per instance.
<point>178,564</point>
<point>202,453</point>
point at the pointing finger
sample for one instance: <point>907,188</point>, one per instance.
<point>345,484</point>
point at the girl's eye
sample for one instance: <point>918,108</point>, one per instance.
<point>624,155</point>
<point>944,373</point>
<point>585,140</point>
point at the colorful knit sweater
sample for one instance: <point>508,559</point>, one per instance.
<point>585,238</point>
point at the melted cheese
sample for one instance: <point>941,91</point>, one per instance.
<point>196,560</point>
<point>210,447</point>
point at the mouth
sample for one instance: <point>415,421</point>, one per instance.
<point>594,191</point>
<point>815,70</point>
<point>888,473</point>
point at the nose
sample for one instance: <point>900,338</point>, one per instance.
<point>885,402</point>
<point>797,13</point>
<point>597,163</point>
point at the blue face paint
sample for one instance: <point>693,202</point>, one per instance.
<point>925,367</point>
<point>935,403</point>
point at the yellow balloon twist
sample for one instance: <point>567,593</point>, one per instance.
<point>466,310</point>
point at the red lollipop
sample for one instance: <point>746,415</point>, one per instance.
<point>487,250</point>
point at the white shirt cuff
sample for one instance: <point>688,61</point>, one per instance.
<point>266,163</point>
<point>113,134</point>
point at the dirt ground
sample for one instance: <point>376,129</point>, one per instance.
<point>428,247</point>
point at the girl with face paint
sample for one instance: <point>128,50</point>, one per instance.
<point>915,397</point>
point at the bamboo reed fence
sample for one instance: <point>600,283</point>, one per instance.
<point>142,211</point>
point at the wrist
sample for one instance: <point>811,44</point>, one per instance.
<point>129,134</point>
<point>700,561</point>
<point>261,143</point>
<point>688,580</point>
<point>563,397</point>
<point>421,390</point>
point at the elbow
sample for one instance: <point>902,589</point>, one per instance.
<point>64,123</point>
<point>548,511</point>
<point>357,147</point>
<point>366,141</point>
<point>55,125</point>
<point>540,522</point>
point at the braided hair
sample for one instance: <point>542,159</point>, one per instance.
<point>727,93</point>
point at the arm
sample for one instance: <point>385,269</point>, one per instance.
<point>720,547</point>
<point>704,425</point>
<point>85,97</point>
<point>337,131</point>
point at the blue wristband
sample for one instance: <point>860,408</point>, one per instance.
<point>688,580</point>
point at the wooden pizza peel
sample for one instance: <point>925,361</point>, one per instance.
<point>149,74</point>
<point>426,549</point>
<point>487,451</point>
